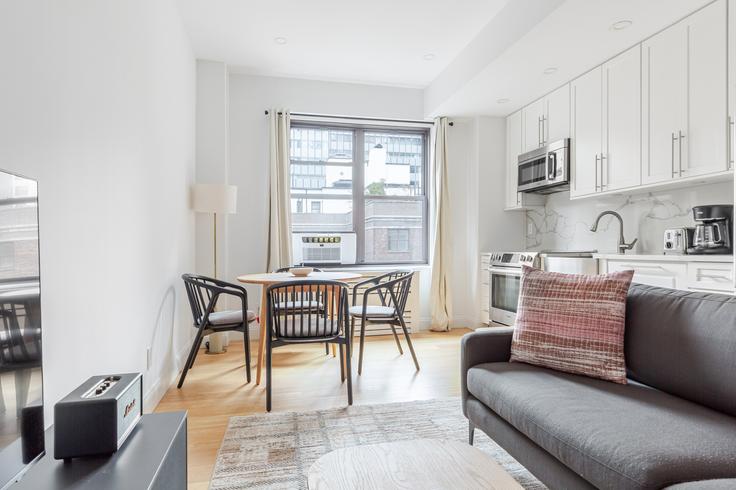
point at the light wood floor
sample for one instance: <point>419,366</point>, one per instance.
<point>305,379</point>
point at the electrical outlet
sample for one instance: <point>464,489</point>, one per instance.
<point>148,358</point>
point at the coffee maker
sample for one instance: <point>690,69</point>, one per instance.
<point>713,229</point>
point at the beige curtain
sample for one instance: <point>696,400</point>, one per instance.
<point>440,294</point>
<point>279,205</point>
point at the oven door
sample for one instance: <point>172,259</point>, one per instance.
<point>504,297</point>
<point>533,173</point>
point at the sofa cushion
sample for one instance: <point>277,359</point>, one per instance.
<point>683,343</point>
<point>614,436</point>
<point>572,322</point>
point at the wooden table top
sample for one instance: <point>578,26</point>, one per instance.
<point>274,277</point>
<point>409,465</point>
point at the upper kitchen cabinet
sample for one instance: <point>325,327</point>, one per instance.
<point>606,126</point>
<point>547,119</point>
<point>684,89</point>
<point>587,133</point>
<point>516,200</point>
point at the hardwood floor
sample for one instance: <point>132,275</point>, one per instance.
<point>304,378</point>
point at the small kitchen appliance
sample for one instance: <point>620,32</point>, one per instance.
<point>713,229</point>
<point>677,240</point>
<point>545,170</point>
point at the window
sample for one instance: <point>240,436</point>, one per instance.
<point>364,179</point>
<point>398,240</point>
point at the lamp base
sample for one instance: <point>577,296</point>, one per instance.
<point>217,343</point>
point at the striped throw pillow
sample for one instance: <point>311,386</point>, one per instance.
<point>572,323</point>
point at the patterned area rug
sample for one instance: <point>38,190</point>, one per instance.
<point>275,451</point>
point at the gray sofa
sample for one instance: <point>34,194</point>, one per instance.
<point>673,426</point>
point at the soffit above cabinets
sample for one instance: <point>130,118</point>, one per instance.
<point>573,38</point>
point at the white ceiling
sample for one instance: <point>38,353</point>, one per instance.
<point>375,41</point>
<point>484,50</point>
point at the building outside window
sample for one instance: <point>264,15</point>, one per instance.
<point>398,240</point>
<point>363,179</point>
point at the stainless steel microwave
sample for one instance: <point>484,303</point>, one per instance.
<point>546,169</point>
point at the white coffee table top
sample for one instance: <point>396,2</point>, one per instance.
<point>422,464</point>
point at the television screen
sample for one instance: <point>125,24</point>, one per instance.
<point>21,384</point>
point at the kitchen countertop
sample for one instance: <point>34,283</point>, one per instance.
<point>665,258</point>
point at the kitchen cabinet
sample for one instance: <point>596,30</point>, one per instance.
<point>606,128</point>
<point>547,119</point>
<point>684,97</point>
<point>663,274</point>
<point>516,200</point>
<point>685,272</point>
<point>587,133</point>
<point>485,289</point>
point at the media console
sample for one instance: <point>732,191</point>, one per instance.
<point>154,457</point>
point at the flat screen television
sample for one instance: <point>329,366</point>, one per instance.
<point>21,377</point>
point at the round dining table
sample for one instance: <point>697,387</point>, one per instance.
<point>268,278</point>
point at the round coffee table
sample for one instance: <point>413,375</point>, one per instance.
<point>422,464</point>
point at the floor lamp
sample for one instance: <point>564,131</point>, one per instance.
<point>215,198</point>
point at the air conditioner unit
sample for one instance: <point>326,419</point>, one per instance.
<point>323,248</point>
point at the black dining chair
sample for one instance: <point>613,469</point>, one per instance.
<point>303,323</point>
<point>314,269</point>
<point>203,293</point>
<point>392,290</point>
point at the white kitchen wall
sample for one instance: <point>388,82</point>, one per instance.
<point>98,104</point>
<point>565,225</point>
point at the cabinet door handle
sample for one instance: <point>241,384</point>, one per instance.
<point>731,141</point>
<point>597,157</point>
<point>680,137</point>
<point>539,130</point>
<point>672,154</point>
<point>544,130</point>
<point>603,184</point>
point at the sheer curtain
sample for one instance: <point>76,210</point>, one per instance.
<point>440,294</point>
<point>279,208</point>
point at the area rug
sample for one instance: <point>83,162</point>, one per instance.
<point>275,450</point>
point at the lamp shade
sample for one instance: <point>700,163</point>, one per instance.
<point>214,198</point>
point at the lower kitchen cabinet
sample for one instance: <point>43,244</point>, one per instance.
<point>676,272</point>
<point>485,289</point>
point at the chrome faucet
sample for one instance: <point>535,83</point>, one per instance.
<point>622,245</point>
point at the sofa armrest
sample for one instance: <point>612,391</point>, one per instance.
<point>484,345</point>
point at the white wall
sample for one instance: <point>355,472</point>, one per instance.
<point>97,103</point>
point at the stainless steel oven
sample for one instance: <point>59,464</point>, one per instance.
<point>505,280</point>
<point>546,169</point>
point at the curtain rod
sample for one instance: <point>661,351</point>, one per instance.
<point>360,118</point>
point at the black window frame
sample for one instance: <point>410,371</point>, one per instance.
<point>358,185</point>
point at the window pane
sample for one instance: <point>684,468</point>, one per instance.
<point>323,215</point>
<point>321,161</point>
<point>394,230</point>
<point>393,163</point>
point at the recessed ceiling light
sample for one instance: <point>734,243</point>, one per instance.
<point>502,101</point>
<point>429,57</point>
<point>279,40</point>
<point>621,25</point>
<point>550,70</point>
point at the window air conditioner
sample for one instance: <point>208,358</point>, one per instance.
<point>323,248</point>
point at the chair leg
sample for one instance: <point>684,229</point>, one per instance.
<point>471,432</point>
<point>196,352</point>
<point>349,372</point>
<point>190,358</point>
<point>396,337</point>
<point>342,364</point>
<point>362,344</point>
<point>408,340</point>
<point>327,349</point>
<point>268,373</point>
<point>246,346</point>
<point>352,332</point>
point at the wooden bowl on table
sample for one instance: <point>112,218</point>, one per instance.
<point>301,271</point>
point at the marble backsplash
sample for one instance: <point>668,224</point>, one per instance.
<point>565,225</point>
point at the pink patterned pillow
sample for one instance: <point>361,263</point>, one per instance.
<point>572,323</point>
